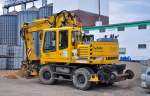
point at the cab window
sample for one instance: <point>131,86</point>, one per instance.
<point>63,39</point>
<point>76,37</point>
<point>50,41</point>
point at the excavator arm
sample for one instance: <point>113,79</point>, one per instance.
<point>28,38</point>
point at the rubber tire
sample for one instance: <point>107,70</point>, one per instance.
<point>51,81</point>
<point>86,73</point>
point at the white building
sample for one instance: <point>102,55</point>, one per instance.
<point>134,39</point>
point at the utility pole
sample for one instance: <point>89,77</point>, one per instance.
<point>99,8</point>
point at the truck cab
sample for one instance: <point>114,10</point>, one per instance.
<point>145,77</point>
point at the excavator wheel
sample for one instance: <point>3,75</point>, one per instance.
<point>46,75</point>
<point>81,78</point>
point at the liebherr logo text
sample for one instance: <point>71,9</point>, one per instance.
<point>100,48</point>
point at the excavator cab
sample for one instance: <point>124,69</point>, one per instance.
<point>58,44</point>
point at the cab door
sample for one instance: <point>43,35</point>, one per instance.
<point>49,50</point>
<point>63,45</point>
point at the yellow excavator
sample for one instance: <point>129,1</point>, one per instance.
<point>67,53</point>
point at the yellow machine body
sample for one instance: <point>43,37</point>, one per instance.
<point>81,52</point>
<point>93,53</point>
<point>67,52</point>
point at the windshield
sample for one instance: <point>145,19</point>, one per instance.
<point>50,41</point>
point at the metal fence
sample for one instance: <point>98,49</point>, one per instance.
<point>8,29</point>
<point>10,57</point>
<point>11,45</point>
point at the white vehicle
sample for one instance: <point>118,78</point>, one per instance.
<point>146,79</point>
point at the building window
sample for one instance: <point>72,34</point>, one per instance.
<point>122,50</point>
<point>102,30</point>
<point>144,26</point>
<point>141,46</point>
<point>121,28</point>
<point>86,31</point>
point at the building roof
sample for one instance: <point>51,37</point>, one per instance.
<point>89,19</point>
<point>113,26</point>
<point>17,2</point>
<point>10,13</point>
<point>33,8</point>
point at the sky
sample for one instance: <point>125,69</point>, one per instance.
<point>122,10</point>
<point>129,10</point>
